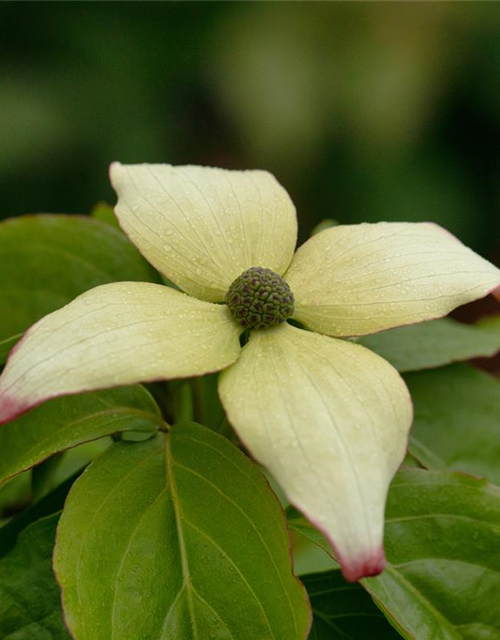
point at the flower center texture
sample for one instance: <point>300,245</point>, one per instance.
<point>260,298</point>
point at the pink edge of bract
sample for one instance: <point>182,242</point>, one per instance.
<point>11,407</point>
<point>366,566</point>
<point>370,564</point>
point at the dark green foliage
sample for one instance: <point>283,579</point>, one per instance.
<point>30,600</point>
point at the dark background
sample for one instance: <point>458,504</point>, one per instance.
<point>364,111</point>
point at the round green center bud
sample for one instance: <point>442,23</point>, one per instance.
<point>260,298</point>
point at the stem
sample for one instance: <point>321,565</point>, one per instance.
<point>183,402</point>
<point>198,403</point>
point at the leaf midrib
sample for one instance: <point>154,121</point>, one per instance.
<point>186,574</point>
<point>254,527</point>
<point>179,519</point>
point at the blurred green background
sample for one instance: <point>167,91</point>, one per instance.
<point>364,111</point>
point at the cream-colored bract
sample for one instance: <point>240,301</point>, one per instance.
<point>118,334</point>
<point>330,420</point>
<point>360,279</point>
<point>202,227</point>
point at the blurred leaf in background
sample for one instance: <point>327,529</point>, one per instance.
<point>365,111</point>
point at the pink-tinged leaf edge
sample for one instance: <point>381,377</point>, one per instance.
<point>11,407</point>
<point>367,565</point>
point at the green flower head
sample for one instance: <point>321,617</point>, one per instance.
<point>260,299</point>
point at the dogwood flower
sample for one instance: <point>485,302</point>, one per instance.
<point>326,416</point>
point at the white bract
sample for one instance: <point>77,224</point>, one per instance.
<point>327,417</point>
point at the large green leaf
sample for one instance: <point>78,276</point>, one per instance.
<point>68,421</point>
<point>343,611</point>
<point>177,538</point>
<point>443,544</point>
<point>30,600</point>
<point>50,259</point>
<point>432,344</point>
<point>457,420</point>
<point>442,541</point>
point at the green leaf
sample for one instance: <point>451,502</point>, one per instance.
<point>442,541</point>
<point>209,409</point>
<point>105,213</point>
<point>343,611</point>
<point>73,461</point>
<point>442,537</point>
<point>15,495</point>
<point>457,418</point>
<point>68,421</point>
<point>30,601</point>
<point>410,462</point>
<point>43,476</point>
<point>308,557</point>
<point>49,504</point>
<point>298,523</point>
<point>177,538</point>
<point>7,344</point>
<point>490,323</point>
<point>432,344</point>
<point>50,259</point>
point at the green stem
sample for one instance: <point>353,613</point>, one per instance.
<point>184,402</point>
<point>198,404</point>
